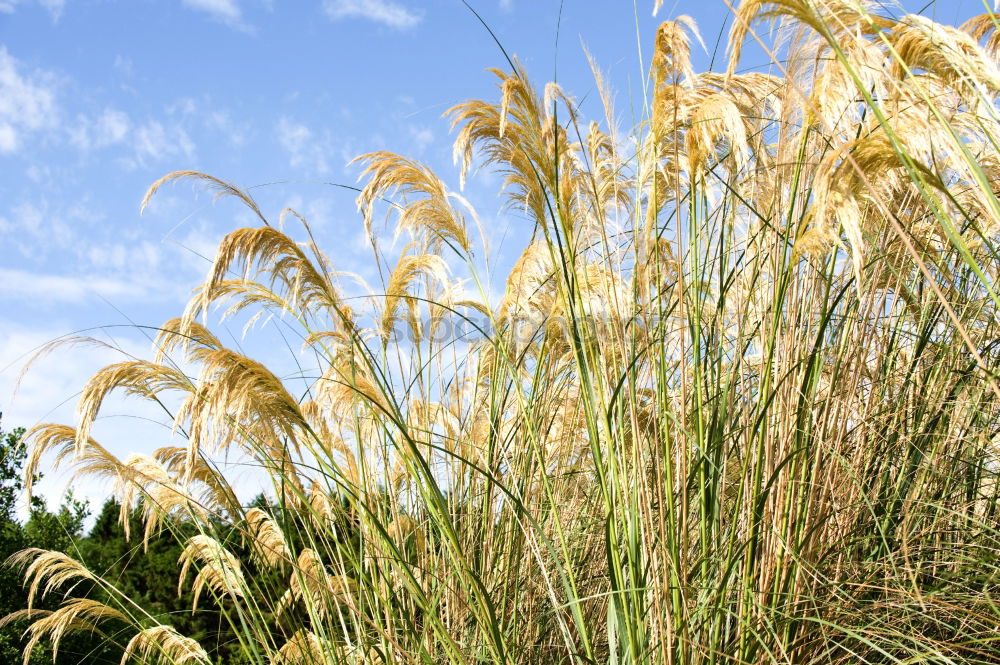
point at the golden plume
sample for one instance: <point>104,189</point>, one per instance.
<point>218,569</point>
<point>430,218</point>
<point>163,644</point>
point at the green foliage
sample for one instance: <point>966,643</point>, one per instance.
<point>12,455</point>
<point>147,574</point>
<point>45,530</point>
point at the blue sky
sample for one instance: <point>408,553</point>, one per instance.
<point>99,98</point>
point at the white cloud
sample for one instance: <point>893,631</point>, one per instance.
<point>39,287</point>
<point>382,11</point>
<point>8,138</point>
<point>28,223</point>
<point>110,128</point>
<point>183,106</point>
<point>218,121</point>
<point>28,218</point>
<point>294,137</point>
<point>422,136</point>
<point>27,102</point>
<point>304,149</point>
<point>506,5</point>
<point>320,212</point>
<point>155,141</point>
<point>95,265</point>
<point>222,122</point>
<point>120,258</point>
<point>54,7</point>
<point>224,10</point>
<point>124,65</point>
<point>236,134</point>
<point>196,249</point>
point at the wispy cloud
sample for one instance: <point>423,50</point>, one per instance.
<point>124,64</point>
<point>155,141</point>
<point>386,12</point>
<point>40,287</point>
<point>36,231</point>
<point>219,121</point>
<point>422,136</point>
<point>109,128</point>
<point>27,102</point>
<point>54,7</point>
<point>303,147</point>
<point>226,11</point>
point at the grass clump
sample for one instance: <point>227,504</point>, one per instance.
<point>737,404</point>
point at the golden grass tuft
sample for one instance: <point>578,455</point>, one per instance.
<point>737,403</point>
